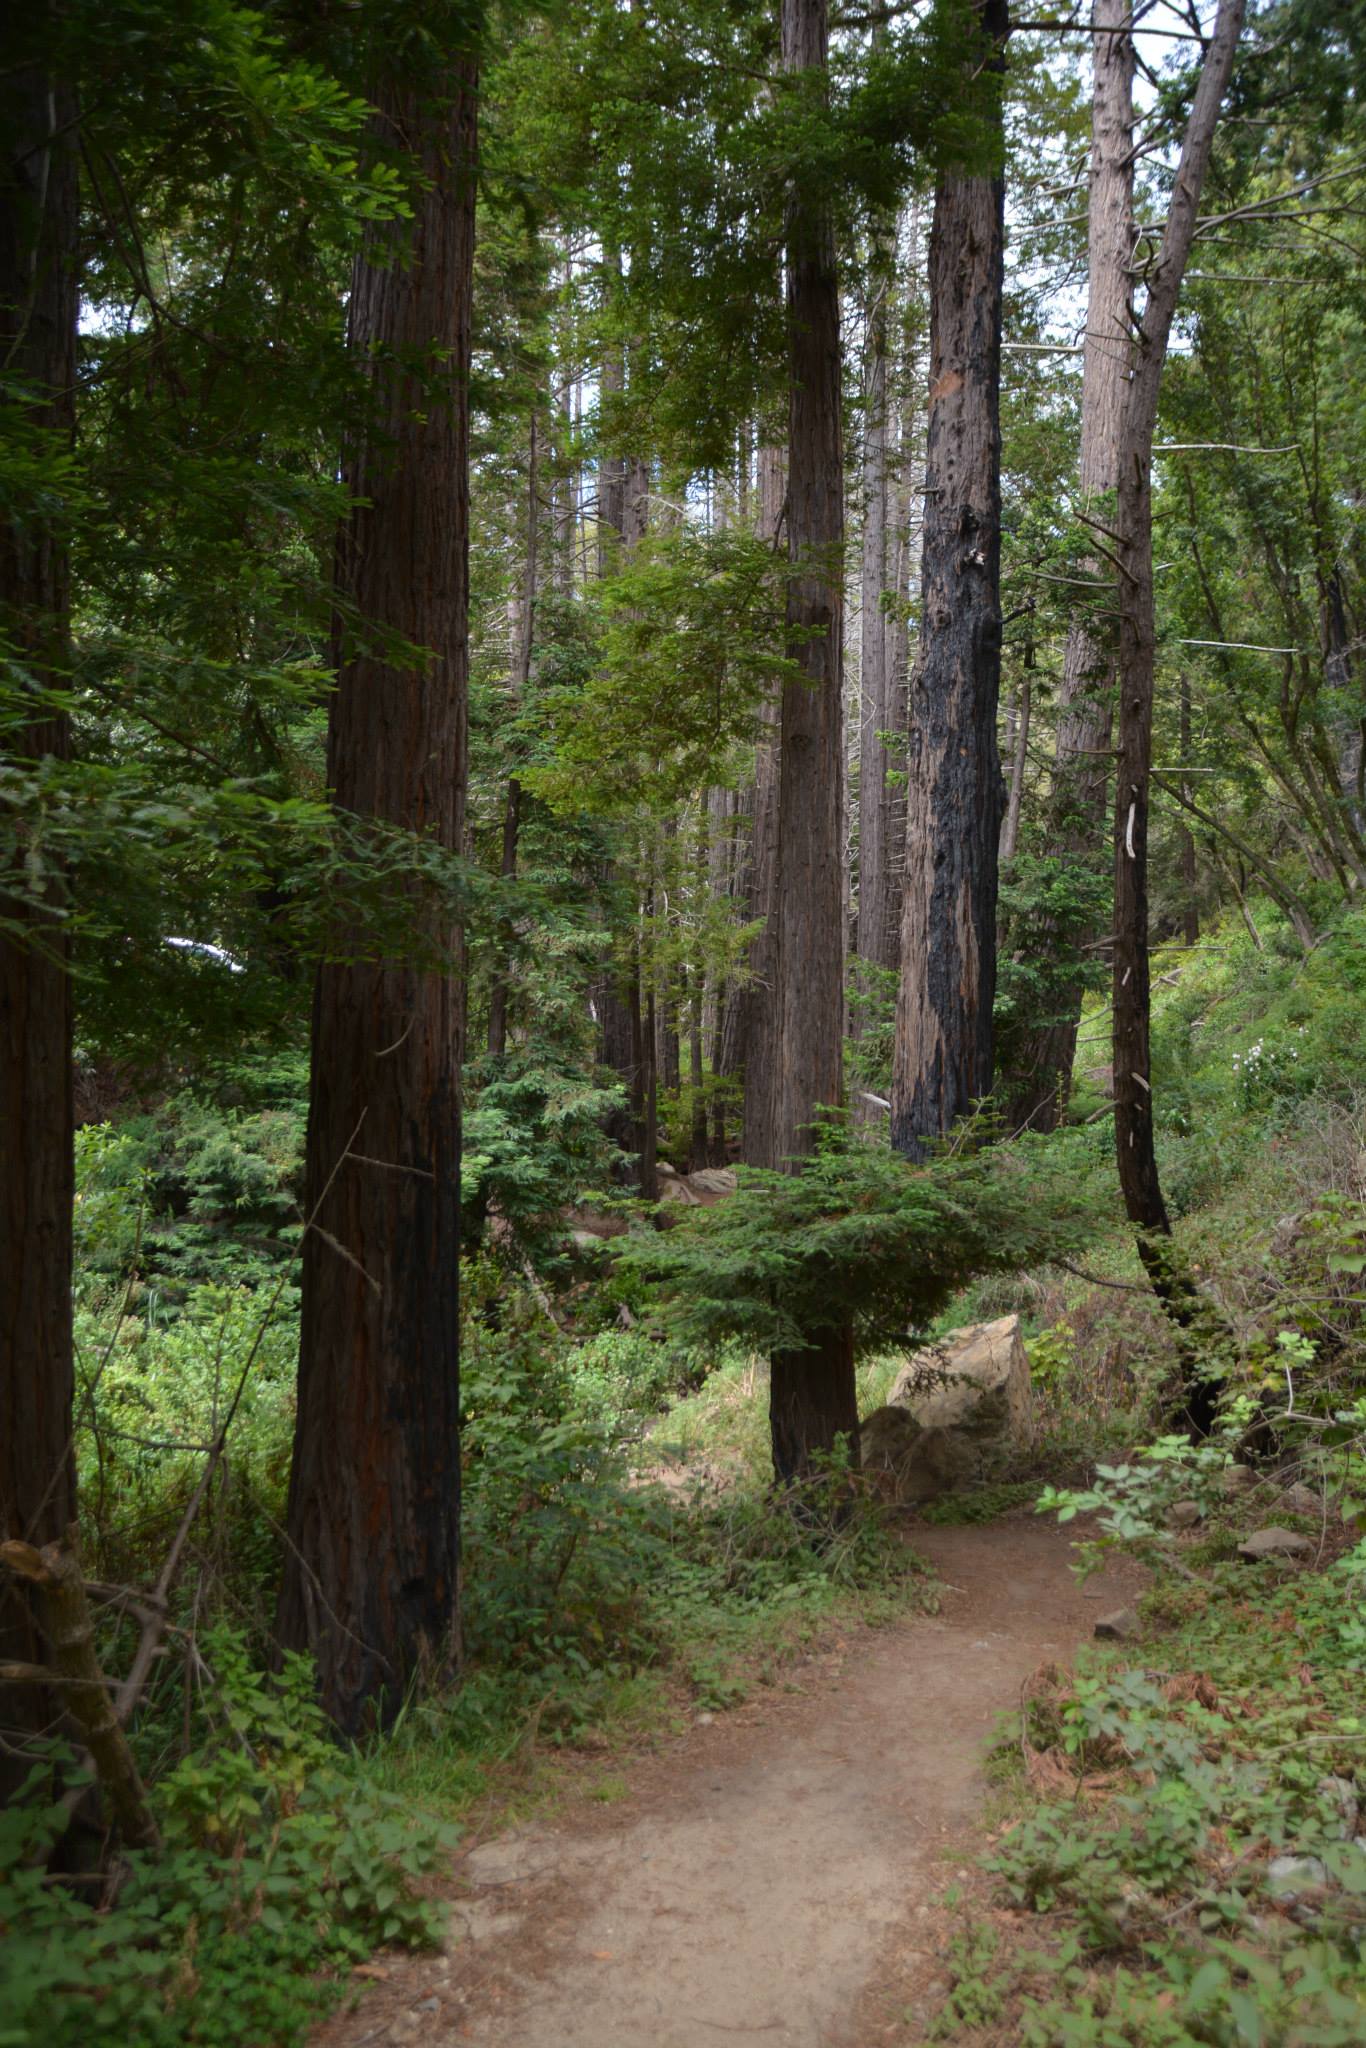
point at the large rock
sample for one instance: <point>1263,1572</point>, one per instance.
<point>951,1409</point>
<point>910,1464</point>
<point>1275,1542</point>
<point>976,1382</point>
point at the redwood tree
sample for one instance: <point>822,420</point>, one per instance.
<point>944,1039</point>
<point>1081,760</point>
<point>371,1573</point>
<point>812,1397</point>
<point>38,296</point>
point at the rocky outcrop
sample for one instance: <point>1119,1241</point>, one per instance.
<point>976,1381</point>
<point>700,1190</point>
<point>953,1410</point>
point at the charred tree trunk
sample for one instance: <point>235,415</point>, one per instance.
<point>812,1393</point>
<point>1136,662</point>
<point>38,297</point>
<point>944,1037</point>
<point>371,1570</point>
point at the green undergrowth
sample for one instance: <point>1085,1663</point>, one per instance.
<point>283,1864</point>
<point>1184,1855</point>
<point>602,1607</point>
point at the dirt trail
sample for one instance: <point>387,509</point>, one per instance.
<point>759,1873</point>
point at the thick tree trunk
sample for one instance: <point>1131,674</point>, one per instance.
<point>38,297</point>
<point>1136,662</point>
<point>371,1571</point>
<point>944,1036</point>
<point>813,1396</point>
<point>1075,829</point>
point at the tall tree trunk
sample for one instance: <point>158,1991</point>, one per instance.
<point>38,295</point>
<point>1136,661</point>
<point>878,901</point>
<point>1190,908</point>
<point>524,639</point>
<point>758,1012</point>
<point>371,1571</point>
<point>1019,754</point>
<point>812,1393</point>
<point>944,1036</point>
<point>1081,763</point>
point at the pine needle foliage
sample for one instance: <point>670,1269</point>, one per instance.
<point>859,1235</point>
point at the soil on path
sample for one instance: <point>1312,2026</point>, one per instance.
<point>766,1872</point>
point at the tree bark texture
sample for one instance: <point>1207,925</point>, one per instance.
<point>760,994</point>
<point>879,908</point>
<point>54,1575</point>
<point>38,297</point>
<point>371,1574</point>
<point>523,641</point>
<point>1137,643</point>
<point>813,1398</point>
<point>1019,754</point>
<point>1082,749</point>
<point>944,1037</point>
<point>1136,665</point>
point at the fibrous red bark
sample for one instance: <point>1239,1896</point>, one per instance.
<point>943,1060</point>
<point>371,1571</point>
<point>812,1392</point>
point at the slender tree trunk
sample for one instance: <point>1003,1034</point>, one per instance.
<point>1010,830</point>
<point>812,1392</point>
<point>524,641</point>
<point>1082,754</point>
<point>38,295</point>
<point>944,1035</point>
<point>1136,661</point>
<point>878,901</point>
<point>1190,908</point>
<point>371,1570</point>
<point>758,1019</point>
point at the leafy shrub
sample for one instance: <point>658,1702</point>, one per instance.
<point>859,1235</point>
<point>279,1861</point>
<point>152,1393</point>
<point>532,1140</point>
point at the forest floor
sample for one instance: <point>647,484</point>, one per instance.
<point>774,1873</point>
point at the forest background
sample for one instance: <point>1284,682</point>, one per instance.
<point>525,676</point>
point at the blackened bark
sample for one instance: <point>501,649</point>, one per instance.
<point>813,1396</point>
<point>944,1036</point>
<point>38,297</point>
<point>371,1572</point>
<point>812,1400</point>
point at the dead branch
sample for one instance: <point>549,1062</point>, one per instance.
<point>54,1572</point>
